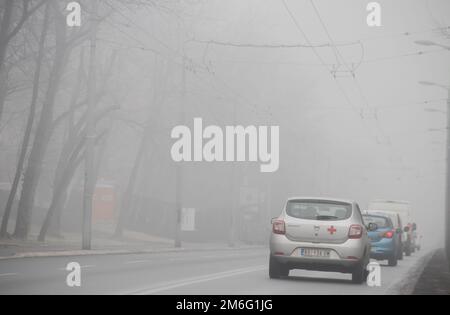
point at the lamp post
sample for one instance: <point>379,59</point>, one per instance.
<point>89,181</point>
<point>447,152</point>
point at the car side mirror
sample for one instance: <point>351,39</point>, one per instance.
<point>406,229</point>
<point>372,227</point>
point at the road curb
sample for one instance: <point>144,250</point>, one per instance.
<point>406,285</point>
<point>120,252</point>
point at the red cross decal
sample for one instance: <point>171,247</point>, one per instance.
<point>332,230</point>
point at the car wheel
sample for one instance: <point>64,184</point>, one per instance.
<point>276,269</point>
<point>408,251</point>
<point>393,261</point>
<point>284,272</point>
<point>360,273</point>
<point>400,253</point>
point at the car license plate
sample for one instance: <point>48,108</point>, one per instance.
<point>314,252</point>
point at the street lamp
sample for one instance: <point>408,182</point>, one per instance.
<point>424,42</point>
<point>447,152</point>
<point>431,43</point>
<point>428,83</point>
<point>434,110</point>
<point>437,129</point>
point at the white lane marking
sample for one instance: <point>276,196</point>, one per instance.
<point>137,262</point>
<point>178,259</point>
<point>200,279</point>
<point>211,256</point>
<point>82,267</point>
<point>8,274</point>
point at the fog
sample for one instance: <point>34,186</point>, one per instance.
<point>346,97</point>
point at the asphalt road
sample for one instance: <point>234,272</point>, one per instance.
<point>201,272</point>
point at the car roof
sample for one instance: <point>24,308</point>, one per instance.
<point>374,214</point>
<point>323,199</point>
<point>380,213</point>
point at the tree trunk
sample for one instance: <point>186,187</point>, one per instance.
<point>60,193</point>
<point>7,32</point>
<point>126,201</point>
<point>158,86</point>
<point>3,91</point>
<point>42,138</point>
<point>4,31</point>
<point>68,147</point>
<point>74,129</point>
<point>29,127</point>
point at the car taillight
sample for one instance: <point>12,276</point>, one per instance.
<point>388,234</point>
<point>278,227</point>
<point>355,231</point>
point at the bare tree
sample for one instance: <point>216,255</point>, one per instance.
<point>8,31</point>
<point>159,77</point>
<point>60,192</point>
<point>29,125</point>
<point>44,128</point>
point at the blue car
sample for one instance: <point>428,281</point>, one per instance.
<point>385,239</point>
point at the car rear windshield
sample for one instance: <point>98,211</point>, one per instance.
<point>393,217</point>
<point>319,210</point>
<point>381,222</point>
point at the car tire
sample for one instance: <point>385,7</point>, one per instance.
<point>400,252</point>
<point>276,269</point>
<point>360,273</point>
<point>393,261</point>
<point>408,251</point>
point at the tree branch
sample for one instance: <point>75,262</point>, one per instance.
<point>26,13</point>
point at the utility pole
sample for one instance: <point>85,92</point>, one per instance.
<point>179,169</point>
<point>89,180</point>
<point>233,192</point>
<point>447,186</point>
<point>447,150</point>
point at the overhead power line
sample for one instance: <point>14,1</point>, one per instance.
<point>321,60</point>
<point>269,46</point>
<point>350,69</point>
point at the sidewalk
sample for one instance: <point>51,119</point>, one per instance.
<point>102,244</point>
<point>435,279</point>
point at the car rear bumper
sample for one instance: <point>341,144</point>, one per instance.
<point>345,257</point>
<point>334,265</point>
<point>383,249</point>
<point>381,255</point>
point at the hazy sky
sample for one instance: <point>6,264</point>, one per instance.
<point>361,135</point>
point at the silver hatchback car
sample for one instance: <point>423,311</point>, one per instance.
<point>322,235</point>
